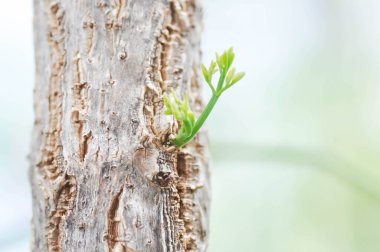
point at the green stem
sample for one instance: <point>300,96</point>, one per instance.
<point>221,80</point>
<point>201,120</point>
<point>206,112</point>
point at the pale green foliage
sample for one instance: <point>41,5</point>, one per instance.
<point>180,109</point>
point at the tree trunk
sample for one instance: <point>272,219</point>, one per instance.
<point>103,175</point>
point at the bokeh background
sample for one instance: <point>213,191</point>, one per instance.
<point>295,145</point>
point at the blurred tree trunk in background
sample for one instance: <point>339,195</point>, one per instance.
<point>102,175</point>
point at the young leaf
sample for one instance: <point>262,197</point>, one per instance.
<point>229,58</point>
<point>229,77</point>
<point>237,77</point>
<point>206,74</point>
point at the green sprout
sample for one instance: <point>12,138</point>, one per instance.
<point>180,109</point>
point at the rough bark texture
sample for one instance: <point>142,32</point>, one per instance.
<point>103,176</point>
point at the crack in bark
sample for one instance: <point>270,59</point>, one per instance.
<point>120,7</point>
<point>89,26</point>
<point>64,200</point>
<point>114,220</point>
<point>79,109</point>
<point>114,15</point>
<point>83,147</point>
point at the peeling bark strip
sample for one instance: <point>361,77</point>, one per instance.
<point>103,177</point>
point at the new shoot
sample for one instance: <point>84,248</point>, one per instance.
<point>180,108</point>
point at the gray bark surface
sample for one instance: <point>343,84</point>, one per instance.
<point>102,173</point>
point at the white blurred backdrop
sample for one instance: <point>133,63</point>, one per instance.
<point>295,144</point>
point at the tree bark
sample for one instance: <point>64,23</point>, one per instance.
<point>103,175</point>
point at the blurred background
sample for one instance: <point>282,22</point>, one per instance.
<point>295,146</point>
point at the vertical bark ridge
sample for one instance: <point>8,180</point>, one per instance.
<point>49,165</point>
<point>167,73</point>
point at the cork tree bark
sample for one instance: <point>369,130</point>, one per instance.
<point>103,175</point>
